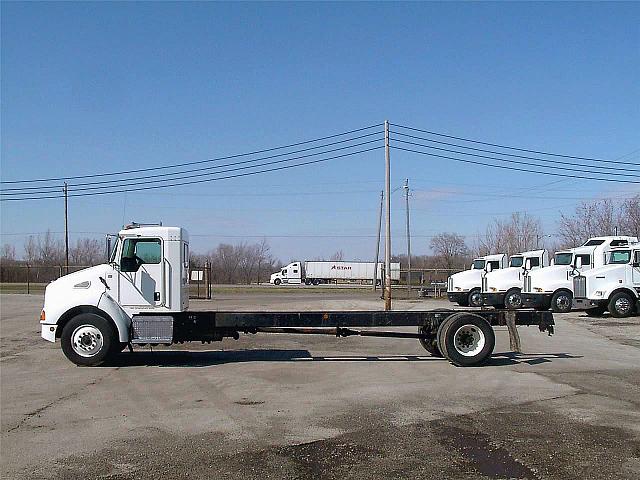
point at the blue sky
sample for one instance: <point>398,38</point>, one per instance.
<point>91,88</point>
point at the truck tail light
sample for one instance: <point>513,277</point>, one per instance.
<point>43,316</point>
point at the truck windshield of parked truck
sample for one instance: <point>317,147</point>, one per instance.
<point>478,265</point>
<point>620,257</point>
<point>563,258</point>
<point>516,261</point>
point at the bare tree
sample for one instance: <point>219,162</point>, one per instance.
<point>591,219</point>
<point>521,232</point>
<point>87,251</point>
<point>629,217</point>
<point>450,249</point>
<point>338,256</point>
<point>8,253</point>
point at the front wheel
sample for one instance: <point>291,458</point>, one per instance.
<point>513,300</point>
<point>621,305</point>
<point>277,281</point>
<point>561,302</point>
<point>475,298</point>
<point>88,340</point>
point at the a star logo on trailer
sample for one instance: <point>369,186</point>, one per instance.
<point>340,267</point>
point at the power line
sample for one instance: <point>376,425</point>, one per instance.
<point>517,161</point>
<point>624,169</point>
<point>255,152</point>
<point>504,167</point>
<point>512,148</point>
<point>197,181</point>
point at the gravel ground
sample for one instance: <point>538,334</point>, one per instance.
<point>316,407</point>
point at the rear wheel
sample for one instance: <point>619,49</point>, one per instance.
<point>621,305</point>
<point>561,302</point>
<point>88,340</point>
<point>475,298</point>
<point>467,340</point>
<point>430,344</point>
<point>513,300</point>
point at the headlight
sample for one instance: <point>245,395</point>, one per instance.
<point>538,289</point>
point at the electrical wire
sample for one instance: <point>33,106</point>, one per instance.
<point>255,152</point>
<point>512,148</point>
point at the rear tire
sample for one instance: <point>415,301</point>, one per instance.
<point>468,340</point>
<point>429,344</point>
<point>513,300</point>
<point>561,302</point>
<point>475,298</point>
<point>621,305</point>
<point>89,340</point>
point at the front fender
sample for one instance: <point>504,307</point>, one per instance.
<point>118,315</point>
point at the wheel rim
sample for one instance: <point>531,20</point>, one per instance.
<point>623,305</point>
<point>514,300</point>
<point>563,302</point>
<point>87,340</point>
<point>469,340</point>
<point>476,299</point>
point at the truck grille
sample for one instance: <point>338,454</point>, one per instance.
<point>580,287</point>
<point>527,284</point>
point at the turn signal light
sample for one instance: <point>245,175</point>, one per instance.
<point>43,317</point>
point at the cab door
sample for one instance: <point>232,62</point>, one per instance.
<point>142,273</point>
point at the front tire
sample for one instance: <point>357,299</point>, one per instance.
<point>475,298</point>
<point>277,281</point>
<point>513,300</point>
<point>621,305</point>
<point>561,302</point>
<point>88,340</point>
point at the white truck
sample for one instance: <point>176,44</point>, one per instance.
<point>502,288</point>
<point>614,287</point>
<point>552,287</point>
<point>140,297</point>
<point>315,273</point>
<point>465,288</point>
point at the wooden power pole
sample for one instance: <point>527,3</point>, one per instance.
<point>387,239</point>
<point>66,228</point>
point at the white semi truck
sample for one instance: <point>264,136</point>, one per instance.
<point>465,288</point>
<point>140,297</point>
<point>502,288</point>
<point>552,287</point>
<point>315,273</point>
<point>614,287</point>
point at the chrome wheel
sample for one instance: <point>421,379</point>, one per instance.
<point>563,303</point>
<point>622,306</point>
<point>475,299</point>
<point>469,340</point>
<point>87,340</point>
<point>514,300</point>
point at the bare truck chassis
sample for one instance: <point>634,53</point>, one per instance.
<point>464,337</point>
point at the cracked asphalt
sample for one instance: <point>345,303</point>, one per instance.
<point>288,406</point>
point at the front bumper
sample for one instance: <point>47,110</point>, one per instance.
<point>586,304</point>
<point>539,301</point>
<point>457,297</point>
<point>49,331</point>
<point>493,299</point>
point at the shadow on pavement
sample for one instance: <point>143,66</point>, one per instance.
<point>182,358</point>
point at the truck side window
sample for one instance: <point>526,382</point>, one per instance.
<point>586,260</point>
<point>494,265</point>
<point>535,261</point>
<point>136,252</point>
<point>295,271</point>
<point>636,257</point>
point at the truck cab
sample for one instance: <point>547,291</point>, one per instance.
<point>147,270</point>
<point>614,287</point>
<point>502,288</point>
<point>552,287</point>
<point>465,288</point>
<point>291,274</point>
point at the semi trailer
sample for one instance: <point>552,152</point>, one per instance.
<point>140,297</point>
<point>614,287</point>
<point>465,288</point>
<point>552,287</point>
<point>318,272</point>
<point>502,288</point>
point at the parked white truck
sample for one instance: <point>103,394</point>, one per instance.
<point>614,287</point>
<point>141,297</point>
<point>502,288</point>
<point>552,287</point>
<point>465,288</point>
<point>315,273</point>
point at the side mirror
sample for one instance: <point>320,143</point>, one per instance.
<point>489,268</point>
<point>129,264</point>
<point>578,263</point>
<point>527,264</point>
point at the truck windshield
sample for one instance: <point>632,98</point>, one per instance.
<point>563,258</point>
<point>478,265</point>
<point>516,261</point>
<point>620,257</point>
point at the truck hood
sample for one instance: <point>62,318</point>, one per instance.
<point>550,278</point>
<point>466,280</point>
<point>90,274</point>
<point>505,278</point>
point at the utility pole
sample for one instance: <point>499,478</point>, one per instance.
<point>66,228</point>
<point>406,196</point>
<point>375,268</point>
<point>387,239</point>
